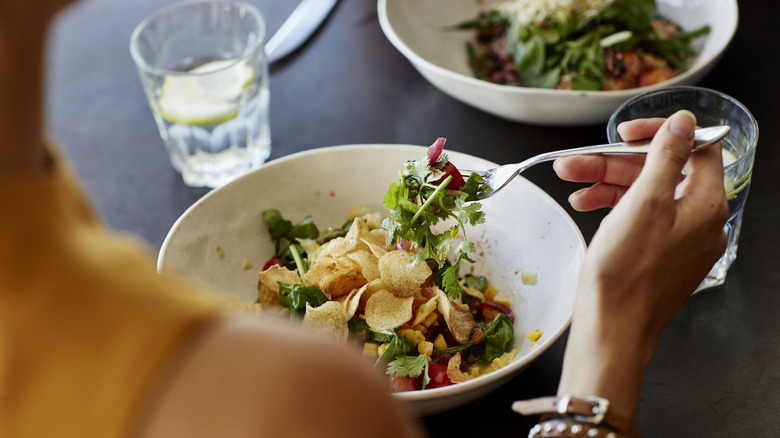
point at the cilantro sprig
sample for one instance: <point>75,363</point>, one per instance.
<point>422,199</point>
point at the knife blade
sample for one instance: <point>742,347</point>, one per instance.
<point>298,27</point>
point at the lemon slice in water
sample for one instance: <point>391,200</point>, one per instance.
<point>207,97</point>
<point>733,187</point>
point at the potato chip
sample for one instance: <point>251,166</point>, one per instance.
<point>268,288</point>
<point>341,282</point>
<point>372,287</point>
<point>351,302</point>
<point>459,319</point>
<point>453,370</point>
<point>368,263</point>
<point>357,231</point>
<point>377,237</point>
<point>335,277</point>
<point>385,311</point>
<point>329,319</point>
<point>377,249</point>
<point>358,210</point>
<point>399,277</point>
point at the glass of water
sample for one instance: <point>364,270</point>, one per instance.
<point>203,68</point>
<point>739,148</point>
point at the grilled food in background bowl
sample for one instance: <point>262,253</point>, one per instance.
<point>421,31</point>
<point>526,232</point>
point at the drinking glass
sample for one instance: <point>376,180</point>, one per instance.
<point>203,68</point>
<point>739,148</point>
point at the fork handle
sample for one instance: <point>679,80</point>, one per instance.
<point>702,138</point>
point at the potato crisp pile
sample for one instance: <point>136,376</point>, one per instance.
<point>357,288</point>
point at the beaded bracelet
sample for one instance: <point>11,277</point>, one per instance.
<point>569,428</point>
<point>570,416</point>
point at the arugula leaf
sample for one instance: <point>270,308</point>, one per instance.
<point>497,337</point>
<point>544,51</point>
<point>286,234</point>
<point>295,296</point>
<point>477,282</point>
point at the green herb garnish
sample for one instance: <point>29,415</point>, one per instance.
<point>420,201</point>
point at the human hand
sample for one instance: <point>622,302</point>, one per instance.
<point>665,231</point>
<point>648,256</point>
<point>611,175</point>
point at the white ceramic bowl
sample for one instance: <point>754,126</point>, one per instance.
<point>416,29</point>
<point>526,231</point>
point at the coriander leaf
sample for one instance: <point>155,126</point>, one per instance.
<point>420,201</point>
<point>407,366</point>
<point>449,281</point>
<point>471,214</point>
<point>398,346</point>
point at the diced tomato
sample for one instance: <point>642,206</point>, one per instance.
<point>434,151</point>
<point>272,261</point>
<point>402,384</point>
<point>438,374</point>
<point>457,181</point>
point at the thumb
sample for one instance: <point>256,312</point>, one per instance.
<point>669,152</point>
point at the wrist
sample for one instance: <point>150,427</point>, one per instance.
<point>606,358</point>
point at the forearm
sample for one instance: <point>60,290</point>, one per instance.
<point>22,54</point>
<point>607,359</point>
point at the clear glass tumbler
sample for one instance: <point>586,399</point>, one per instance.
<point>203,68</point>
<point>739,148</point>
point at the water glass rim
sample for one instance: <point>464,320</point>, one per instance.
<point>753,132</point>
<point>140,62</point>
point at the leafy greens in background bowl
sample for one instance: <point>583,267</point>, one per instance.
<point>531,234</point>
<point>422,31</point>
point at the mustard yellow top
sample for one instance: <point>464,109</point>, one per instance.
<point>87,326</point>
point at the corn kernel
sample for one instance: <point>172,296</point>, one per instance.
<point>247,265</point>
<point>425,310</point>
<point>414,336</point>
<point>371,349</point>
<point>439,343</point>
<point>430,320</point>
<point>485,369</point>
<point>454,232</point>
<point>528,278</point>
<point>498,363</point>
<point>489,314</point>
<point>474,371</point>
<point>508,356</point>
<point>381,348</point>
<point>425,347</point>
<point>491,293</point>
<point>500,299</point>
<point>534,336</point>
<point>421,328</point>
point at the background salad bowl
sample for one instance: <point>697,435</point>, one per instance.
<point>417,29</point>
<point>526,232</point>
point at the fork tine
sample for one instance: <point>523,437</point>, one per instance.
<point>466,172</point>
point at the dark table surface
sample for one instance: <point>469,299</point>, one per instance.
<point>717,369</point>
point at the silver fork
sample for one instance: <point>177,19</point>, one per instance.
<point>498,177</point>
